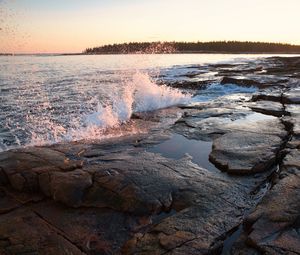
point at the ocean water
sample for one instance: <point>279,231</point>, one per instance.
<point>50,99</point>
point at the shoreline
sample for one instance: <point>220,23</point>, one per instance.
<point>204,179</point>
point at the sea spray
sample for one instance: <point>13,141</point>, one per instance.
<point>150,96</point>
<point>138,94</point>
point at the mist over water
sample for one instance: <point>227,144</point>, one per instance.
<point>50,99</point>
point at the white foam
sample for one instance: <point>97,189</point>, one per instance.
<point>149,96</point>
<point>138,94</point>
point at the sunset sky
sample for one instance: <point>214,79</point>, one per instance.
<point>40,26</point>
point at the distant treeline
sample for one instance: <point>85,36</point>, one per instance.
<point>190,47</point>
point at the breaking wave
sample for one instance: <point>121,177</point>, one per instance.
<point>138,94</point>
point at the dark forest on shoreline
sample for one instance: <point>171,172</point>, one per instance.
<point>194,47</point>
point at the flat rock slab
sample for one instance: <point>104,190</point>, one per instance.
<point>244,142</point>
<point>208,121</point>
<point>245,152</point>
<point>7,203</point>
<point>268,107</point>
<point>195,229</point>
<point>92,230</point>
<point>21,168</point>
<point>128,181</point>
<point>292,96</point>
<point>249,146</point>
<point>273,96</point>
<point>287,96</point>
<point>124,192</point>
<point>23,232</point>
<point>242,82</point>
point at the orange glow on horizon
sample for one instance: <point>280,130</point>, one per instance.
<point>32,26</point>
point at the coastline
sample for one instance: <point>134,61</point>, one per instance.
<point>133,195</point>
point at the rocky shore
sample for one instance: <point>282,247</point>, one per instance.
<point>129,195</point>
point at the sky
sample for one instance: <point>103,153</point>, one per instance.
<point>57,26</point>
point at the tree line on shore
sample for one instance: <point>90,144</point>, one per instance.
<point>186,47</point>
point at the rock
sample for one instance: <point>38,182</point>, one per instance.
<point>17,181</point>
<point>92,230</point>
<point>249,145</point>
<point>170,242</point>
<point>44,183</point>
<point>245,152</point>
<point>289,96</point>
<point>292,96</point>
<point>69,187</point>
<point>287,66</point>
<point>270,108</point>
<point>115,197</point>
<point>208,121</point>
<point>124,184</point>
<point>194,85</point>
<point>273,96</point>
<point>7,203</point>
<point>244,142</point>
<point>22,167</point>
<point>139,183</point>
<point>194,230</point>
<point>3,178</point>
<point>24,232</point>
<point>275,222</point>
<point>242,82</point>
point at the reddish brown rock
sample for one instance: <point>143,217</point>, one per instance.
<point>23,232</point>
<point>23,167</point>
<point>69,187</point>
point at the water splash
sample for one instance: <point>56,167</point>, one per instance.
<point>149,96</point>
<point>138,94</point>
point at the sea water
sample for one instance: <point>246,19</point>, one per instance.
<point>50,99</point>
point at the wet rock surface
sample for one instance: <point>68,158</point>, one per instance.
<point>120,196</point>
<point>273,227</point>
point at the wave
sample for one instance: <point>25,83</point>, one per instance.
<point>138,94</point>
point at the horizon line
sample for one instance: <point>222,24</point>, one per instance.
<point>156,41</point>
